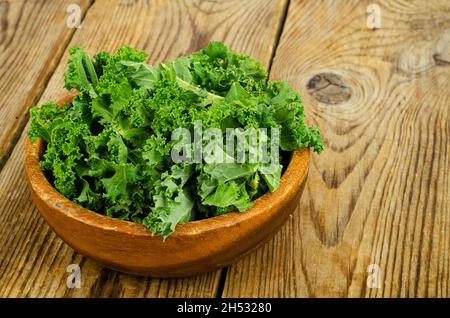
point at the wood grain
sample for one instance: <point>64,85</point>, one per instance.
<point>33,36</point>
<point>380,193</point>
<point>33,260</point>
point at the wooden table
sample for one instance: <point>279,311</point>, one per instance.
<point>376,210</point>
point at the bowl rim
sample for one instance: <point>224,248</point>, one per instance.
<point>293,176</point>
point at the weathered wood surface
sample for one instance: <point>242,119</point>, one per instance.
<point>33,37</point>
<point>33,260</point>
<point>380,193</point>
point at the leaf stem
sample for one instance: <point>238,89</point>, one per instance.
<point>196,89</point>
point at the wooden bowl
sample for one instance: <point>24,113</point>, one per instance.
<point>195,247</point>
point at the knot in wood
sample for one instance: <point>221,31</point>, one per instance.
<point>329,88</point>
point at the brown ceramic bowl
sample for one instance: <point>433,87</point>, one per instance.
<point>195,247</point>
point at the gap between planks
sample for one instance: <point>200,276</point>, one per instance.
<point>224,271</point>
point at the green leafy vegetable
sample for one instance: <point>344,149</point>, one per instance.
<point>110,149</point>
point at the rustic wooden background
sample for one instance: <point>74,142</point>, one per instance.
<point>379,194</point>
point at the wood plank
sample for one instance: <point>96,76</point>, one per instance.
<point>33,37</point>
<point>33,260</point>
<point>380,193</point>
